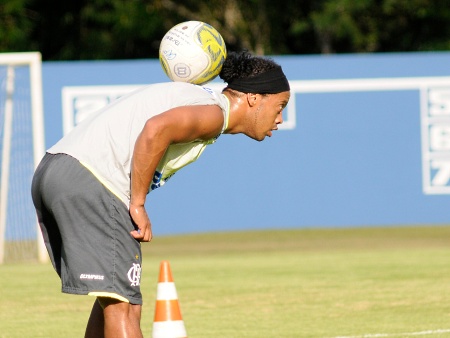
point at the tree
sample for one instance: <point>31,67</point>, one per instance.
<point>126,29</point>
<point>244,24</point>
<point>101,29</point>
<point>415,25</point>
<point>346,25</point>
<point>15,25</point>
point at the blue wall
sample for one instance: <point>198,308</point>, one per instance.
<point>354,158</point>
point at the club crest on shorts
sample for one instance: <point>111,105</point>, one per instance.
<point>134,274</point>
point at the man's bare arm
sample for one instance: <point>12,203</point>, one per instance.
<point>178,125</point>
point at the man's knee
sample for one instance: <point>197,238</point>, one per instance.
<point>115,307</point>
<point>106,301</point>
<point>121,319</point>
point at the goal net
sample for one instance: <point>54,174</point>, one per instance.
<point>21,148</point>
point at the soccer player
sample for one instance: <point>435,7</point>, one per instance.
<point>90,188</point>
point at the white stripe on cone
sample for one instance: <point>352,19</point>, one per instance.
<point>169,329</point>
<point>166,290</point>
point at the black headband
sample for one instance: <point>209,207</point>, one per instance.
<point>271,82</point>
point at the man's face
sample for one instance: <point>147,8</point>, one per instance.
<point>268,114</point>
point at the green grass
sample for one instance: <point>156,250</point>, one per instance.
<point>292,283</point>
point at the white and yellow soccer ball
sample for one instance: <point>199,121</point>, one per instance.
<point>192,51</point>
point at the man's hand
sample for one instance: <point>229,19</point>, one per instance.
<point>142,222</point>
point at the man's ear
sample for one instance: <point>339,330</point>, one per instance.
<point>252,99</point>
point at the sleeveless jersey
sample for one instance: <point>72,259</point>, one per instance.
<point>104,141</point>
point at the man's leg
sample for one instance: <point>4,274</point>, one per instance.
<point>96,324</point>
<point>116,318</point>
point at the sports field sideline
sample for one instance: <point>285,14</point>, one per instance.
<point>352,283</point>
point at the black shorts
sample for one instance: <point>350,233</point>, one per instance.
<point>86,230</point>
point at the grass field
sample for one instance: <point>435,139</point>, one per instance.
<point>363,282</point>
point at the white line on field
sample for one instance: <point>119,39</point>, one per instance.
<point>406,334</point>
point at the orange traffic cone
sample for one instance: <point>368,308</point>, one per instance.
<point>168,322</point>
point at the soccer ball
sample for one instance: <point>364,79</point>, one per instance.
<point>193,52</point>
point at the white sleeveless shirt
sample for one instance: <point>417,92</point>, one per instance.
<point>104,141</point>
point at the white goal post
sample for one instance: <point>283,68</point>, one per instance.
<point>21,110</point>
